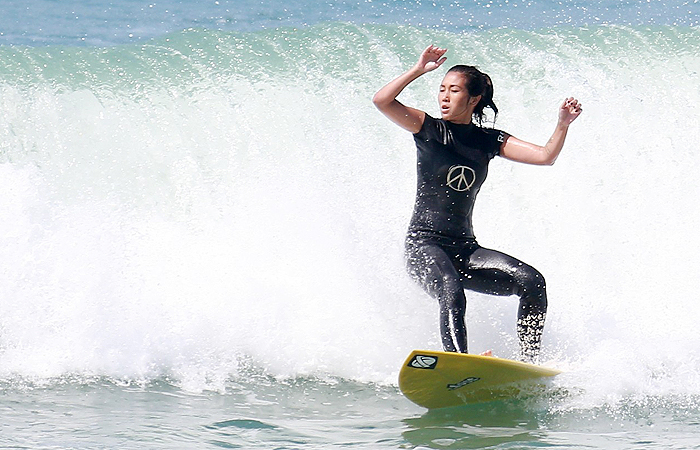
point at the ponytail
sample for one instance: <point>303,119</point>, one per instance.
<point>478,83</point>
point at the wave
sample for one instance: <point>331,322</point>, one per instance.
<point>206,198</point>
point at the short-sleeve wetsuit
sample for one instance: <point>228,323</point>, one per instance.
<point>441,250</point>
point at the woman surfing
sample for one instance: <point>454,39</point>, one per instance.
<point>442,253</point>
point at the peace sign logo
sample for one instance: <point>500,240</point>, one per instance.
<point>461,178</point>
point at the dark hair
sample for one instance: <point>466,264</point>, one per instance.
<point>478,83</point>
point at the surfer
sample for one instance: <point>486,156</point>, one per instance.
<point>442,253</point>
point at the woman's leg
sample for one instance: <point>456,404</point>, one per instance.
<point>492,272</point>
<point>432,268</point>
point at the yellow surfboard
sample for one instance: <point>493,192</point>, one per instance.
<point>441,379</point>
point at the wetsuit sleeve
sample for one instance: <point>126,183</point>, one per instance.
<point>429,131</point>
<point>495,140</point>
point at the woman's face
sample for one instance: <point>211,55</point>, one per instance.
<point>455,103</point>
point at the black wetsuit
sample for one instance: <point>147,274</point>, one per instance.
<point>442,252</point>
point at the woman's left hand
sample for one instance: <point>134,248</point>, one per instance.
<point>569,111</point>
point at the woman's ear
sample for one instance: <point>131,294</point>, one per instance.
<point>474,100</point>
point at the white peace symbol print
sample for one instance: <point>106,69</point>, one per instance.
<point>461,178</point>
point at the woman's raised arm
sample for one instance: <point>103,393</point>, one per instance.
<point>406,117</point>
<point>525,152</point>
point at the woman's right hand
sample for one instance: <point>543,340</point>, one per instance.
<point>431,58</point>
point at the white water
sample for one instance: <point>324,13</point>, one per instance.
<point>250,205</point>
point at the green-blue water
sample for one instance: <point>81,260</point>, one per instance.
<point>309,413</point>
<point>202,219</point>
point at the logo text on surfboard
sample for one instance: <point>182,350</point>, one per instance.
<point>462,383</point>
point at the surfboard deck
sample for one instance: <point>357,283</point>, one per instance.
<point>435,379</point>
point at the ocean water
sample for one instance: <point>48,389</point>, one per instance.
<point>202,218</point>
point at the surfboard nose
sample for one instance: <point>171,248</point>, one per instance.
<point>442,379</point>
